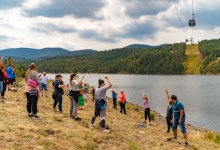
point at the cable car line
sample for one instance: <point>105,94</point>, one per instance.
<point>179,18</point>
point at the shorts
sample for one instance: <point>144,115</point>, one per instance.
<point>10,80</point>
<point>43,86</point>
<point>1,86</point>
<point>182,125</point>
<point>84,96</point>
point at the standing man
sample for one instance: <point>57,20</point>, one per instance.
<point>178,117</point>
<point>44,83</point>
<point>9,71</point>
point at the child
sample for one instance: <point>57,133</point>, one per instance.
<point>114,98</point>
<point>169,116</point>
<point>85,93</point>
<point>146,109</point>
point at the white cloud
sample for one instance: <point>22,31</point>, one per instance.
<point>110,24</point>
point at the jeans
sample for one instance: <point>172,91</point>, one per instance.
<point>32,103</point>
<point>122,104</point>
<point>114,103</point>
<point>60,101</point>
<point>182,124</point>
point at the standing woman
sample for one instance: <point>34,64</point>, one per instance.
<point>32,92</point>
<point>146,109</point>
<point>74,96</point>
<point>122,102</point>
<point>57,94</point>
<point>5,81</point>
<point>100,103</point>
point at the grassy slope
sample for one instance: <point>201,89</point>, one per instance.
<point>193,62</point>
<point>17,131</point>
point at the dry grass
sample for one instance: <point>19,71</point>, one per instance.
<point>58,132</point>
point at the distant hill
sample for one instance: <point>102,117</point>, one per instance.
<point>143,46</point>
<point>29,53</point>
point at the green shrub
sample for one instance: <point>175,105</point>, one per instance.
<point>209,135</point>
<point>152,115</point>
<point>217,138</point>
<point>136,108</point>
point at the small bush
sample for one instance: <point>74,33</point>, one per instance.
<point>133,146</point>
<point>136,108</point>
<point>217,138</point>
<point>128,106</point>
<point>152,115</point>
<point>209,135</point>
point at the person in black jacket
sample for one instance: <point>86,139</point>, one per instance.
<point>100,104</point>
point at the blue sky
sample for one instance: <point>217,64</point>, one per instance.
<point>104,24</point>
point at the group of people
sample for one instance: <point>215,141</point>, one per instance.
<point>175,110</point>
<point>7,78</point>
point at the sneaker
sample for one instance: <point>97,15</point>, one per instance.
<point>72,117</point>
<point>167,132</point>
<point>78,119</point>
<point>172,138</point>
<point>186,143</point>
<point>30,115</point>
<point>105,131</point>
<point>92,125</point>
<point>62,112</point>
<point>35,117</point>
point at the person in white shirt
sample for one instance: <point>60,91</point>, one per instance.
<point>44,83</point>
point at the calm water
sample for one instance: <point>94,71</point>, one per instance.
<point>200,94</point>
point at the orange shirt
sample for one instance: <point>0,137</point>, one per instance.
<point>122,97</point>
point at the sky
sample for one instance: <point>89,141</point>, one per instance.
<point>104,24</point>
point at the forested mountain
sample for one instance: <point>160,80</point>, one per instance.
<point>143,46</point>
<point>167,59</point>
<point>210,50</point>
<point>30,53</point>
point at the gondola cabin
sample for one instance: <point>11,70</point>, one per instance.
<point>192,23</point>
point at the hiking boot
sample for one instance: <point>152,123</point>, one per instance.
<point>172,138</point>
<point>35,117</point>
<point>186,143</point>
<point>106,131</point>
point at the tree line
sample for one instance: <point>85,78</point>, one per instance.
<point>161,60</point>
<point>210,50</point>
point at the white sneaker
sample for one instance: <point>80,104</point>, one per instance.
<point>105,131</point>
<point>92,125</point>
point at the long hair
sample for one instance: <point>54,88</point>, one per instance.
<point>100,81</point>
<point>72,76</point>
<point>32,67</point>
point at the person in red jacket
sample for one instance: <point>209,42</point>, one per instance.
<point>122,102</point>
<point>5,81</point>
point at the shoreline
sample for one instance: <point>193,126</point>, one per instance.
<point>162,118</point>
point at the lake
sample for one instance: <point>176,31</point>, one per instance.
<point>200,94</point>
